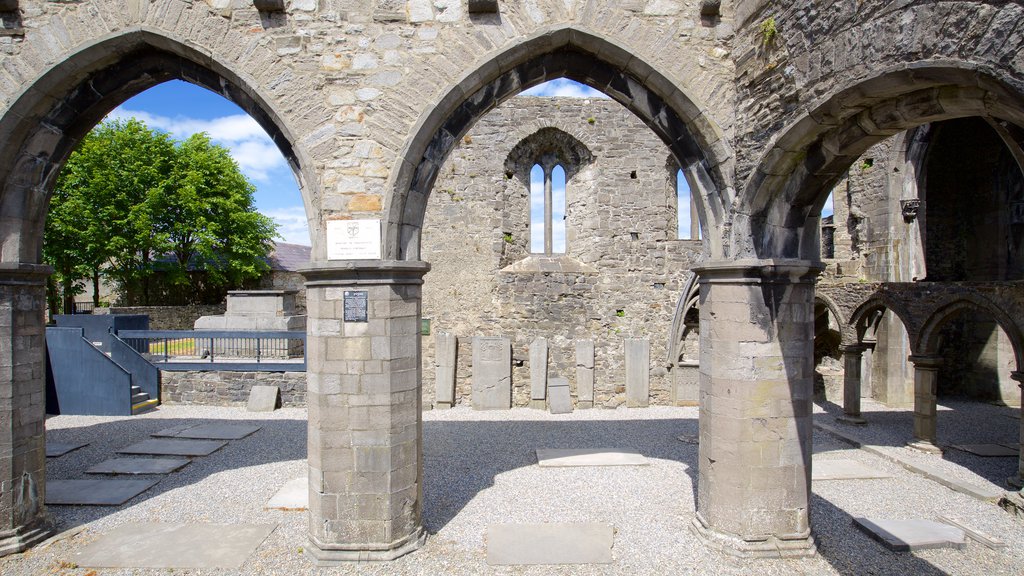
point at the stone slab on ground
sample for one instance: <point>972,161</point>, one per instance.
<point>532,544</point>
<point>561,457</point>
<point>174,447</point>
<point>559,396</point>
<point>294,495</point>
<point>910,535</point>
<point>989,450</point>
<point>844,470</point>
<point>213,431</point>
<point>96,492</point>
<point>133,466</point>
<point>56,449</point>
<point>153,545</point>
<point>264,398</point>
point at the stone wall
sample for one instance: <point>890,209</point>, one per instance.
<point>623,269</point>
<point>221,388</point>
<point>169,317</point>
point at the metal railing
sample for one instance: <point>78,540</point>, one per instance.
<point>229,350</point>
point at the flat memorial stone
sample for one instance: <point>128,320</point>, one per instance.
<point>844,470</point>
<point>153,545</point>
<point>55,449</point>
<point>263,398</point>
<point>557,457</point>
<point>492,373</point>
<point>96,492</point>
<point>174,447</point>
<point>215,431</point>
<point>988,450</point>
<point>523,544</point>
<point>909,535</point>
<point>293,496</point>
<point>133,466</point>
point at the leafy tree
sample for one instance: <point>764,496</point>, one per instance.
<point>130,198</point>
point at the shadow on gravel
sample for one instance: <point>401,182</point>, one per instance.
<point>277,440</point>
<point>960,421</point>
<point>851,552</point>
<point>462,458</point>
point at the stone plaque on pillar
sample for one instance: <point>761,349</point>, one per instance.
<point>638,372</point>
<point>492,373</point>
<point>445,358</point>
<point>538,372</point>
<point>585,374</point>
<point>353,240</point>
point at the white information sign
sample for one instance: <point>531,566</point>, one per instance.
<point>353,240</point>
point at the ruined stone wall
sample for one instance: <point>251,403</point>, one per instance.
<point>222,388</point>
<point>169,317</point>
<point>623,270</point>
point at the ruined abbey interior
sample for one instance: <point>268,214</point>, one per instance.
<point>403,124</point>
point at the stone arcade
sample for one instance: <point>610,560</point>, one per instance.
<point>765,105</point>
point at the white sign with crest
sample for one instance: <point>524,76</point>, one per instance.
<point>353,240</point>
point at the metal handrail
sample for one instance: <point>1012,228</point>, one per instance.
<point>222,351</point>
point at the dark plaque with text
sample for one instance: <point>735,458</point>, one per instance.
<point>355,306</point>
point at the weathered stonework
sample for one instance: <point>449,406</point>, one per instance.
<point>217,388</point>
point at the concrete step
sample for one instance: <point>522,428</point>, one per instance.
<point>144,406</point>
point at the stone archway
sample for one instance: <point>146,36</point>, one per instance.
<point>40,129</point>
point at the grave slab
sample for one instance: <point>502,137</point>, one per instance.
<point>533,544</point>
<point>559,397</point>
<point>174,447</point>
<point>988,450</point>
<point>844,470</point>
<point>214,431</point>
<point>263,398</point>
<point>910,535</point>
<point>132,466</point>
<point>538,372</point>
<point>96,492</point>
<point>56,449</point>
<point>585,374</point>
<point>559,457</point>
<point>492,373</point>
<point>153,545</point>
<point>293,496</point>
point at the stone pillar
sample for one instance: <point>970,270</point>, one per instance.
<point>926,382</point>
<point>364,402</point>
<point>585,374</point>
<point>1019,378</point>
<point>446,352</point>
<point>756,387</point>
<point>867,369</point>
<point>852,362</point>
<point>22,406</point>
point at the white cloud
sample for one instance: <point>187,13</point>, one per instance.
<point>248,143</point>
<point>564,88</point>
<point>291,224</point>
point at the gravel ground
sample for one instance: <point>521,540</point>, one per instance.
<point>480,468</point>
<point>960,422</point>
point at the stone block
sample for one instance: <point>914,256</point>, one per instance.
<point>585,374</point>
<point>492,373</point>
<point>446,349</point>
<point>538,372</point>
<point>264,399</point>
<point>638,374</point>
<point>559,397</point>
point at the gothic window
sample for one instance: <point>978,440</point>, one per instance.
<point>686,207</point>
<point>547,209</point>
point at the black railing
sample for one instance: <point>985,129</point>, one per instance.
<point>230,350</point>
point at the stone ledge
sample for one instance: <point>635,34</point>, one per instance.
<point>800,546</point>
<point>339,555</point>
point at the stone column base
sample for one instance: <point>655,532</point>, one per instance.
<point>924,446</point>
<point>795,546</point>
<point>338,555</point>
<point>21,539</point>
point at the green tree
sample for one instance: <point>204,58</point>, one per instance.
<point>130,198</point>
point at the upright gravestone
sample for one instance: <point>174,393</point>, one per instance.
<point>559,397</point>
<point>445,357</point>
<point>492,373</point>
<point>585,374</point>
<point>638,373</point>
<point>538,372</point>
